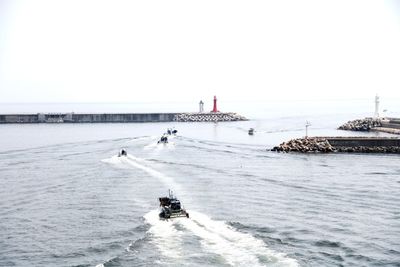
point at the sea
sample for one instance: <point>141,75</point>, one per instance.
<point>67,199</point>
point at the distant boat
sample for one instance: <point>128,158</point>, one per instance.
<point>122,153</point>
<point>171,131</point>
<point>163,140</point>
<point>251,131</point>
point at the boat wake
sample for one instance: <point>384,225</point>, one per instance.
<point>236,248</point>
<point>130,161</point>
<point>164,235</point>
<point>216,237</point>
<point>154,145</point>
<point>159,146</point>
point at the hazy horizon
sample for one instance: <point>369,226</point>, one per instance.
<point>124,51</point>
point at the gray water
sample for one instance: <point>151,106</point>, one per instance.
<point>68,200</point>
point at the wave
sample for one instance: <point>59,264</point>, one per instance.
<point>165,236</point>
<point>109,262</point>
<point>236,248</point>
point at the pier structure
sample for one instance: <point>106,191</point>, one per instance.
<point>86,117</point>
<point>387,125</point>
<point>341,144</point>
<point>119,117</point>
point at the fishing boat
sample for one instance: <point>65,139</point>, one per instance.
<point>171,207</point>
<point>251,131</point>
<point>163,140</point>
<point>171,131</point>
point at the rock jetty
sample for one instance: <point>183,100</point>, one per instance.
<point>363,125</point>
<point>304,145</point>
<point>208,117</point>
<point>340,144</point>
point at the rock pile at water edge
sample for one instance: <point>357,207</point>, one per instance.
<point>322,145</point>
<point>304,145</point>
<point>208,117</point>
<point>363,125</point>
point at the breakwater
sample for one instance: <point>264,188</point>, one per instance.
<point>117,117</point>
<point>209,117</point>
<point>341,144</point>
<point>388,125</point>
<point>86,118</point>
<point>363,125</point>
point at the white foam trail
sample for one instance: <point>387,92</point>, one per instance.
<point>170,145</point>
<point>132,161</point>
<point>154,144</point>
<point>151,146</point>
<point>238,249</point>
<point>116,161</point>
<point>159,146</point>
<point>166,180</point>
<point>165,236</point>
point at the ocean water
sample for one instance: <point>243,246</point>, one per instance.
<point>66,199</point>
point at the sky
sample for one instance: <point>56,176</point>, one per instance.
<point>143,51</point>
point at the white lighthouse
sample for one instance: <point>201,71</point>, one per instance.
<point>376,115</point>
<point>201,106</point>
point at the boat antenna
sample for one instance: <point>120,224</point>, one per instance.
<point>171,193</point>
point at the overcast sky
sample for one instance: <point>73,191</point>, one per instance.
<point>132,51</point>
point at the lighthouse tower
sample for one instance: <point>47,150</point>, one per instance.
<point>376,106</point>
<point>201,106</point>
<point>215,105</point>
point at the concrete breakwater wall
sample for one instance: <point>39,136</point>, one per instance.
<point>341,144</point>
<point>137,117</point>
<point>86,118</point>
<point>118,117</point>
<point>209,117</point>
<point>390,123</point>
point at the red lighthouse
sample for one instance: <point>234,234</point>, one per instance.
<point>215,105</point>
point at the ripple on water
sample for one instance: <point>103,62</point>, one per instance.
<point>60,205</point>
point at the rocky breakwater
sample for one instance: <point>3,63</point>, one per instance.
<point>341,144</point>
<point>208,117</point>
<point>304,145</point>
<point>363,125</point>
